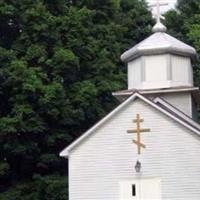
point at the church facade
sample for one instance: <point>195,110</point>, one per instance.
<point>148,147</point>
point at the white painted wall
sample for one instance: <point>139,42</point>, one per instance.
<point>160,71</point>
<point>135,73</point>
<point>144,189</point>
<point>181,69</point>
<point>182,101</point>
<point>149,72</point>
<point>155,68</point>
<point>156,71</point>
<point>108,156</point>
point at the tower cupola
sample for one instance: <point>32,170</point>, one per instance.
<point>161,66</point>
<point>160,61</point>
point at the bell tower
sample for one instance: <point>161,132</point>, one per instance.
<point>161,65</point>
<point>160,61</point>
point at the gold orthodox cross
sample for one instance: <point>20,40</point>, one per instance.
<point>138,130</point>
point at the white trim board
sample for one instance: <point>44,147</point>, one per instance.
<point>156,91</point>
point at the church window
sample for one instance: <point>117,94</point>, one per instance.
<point>133,190</point>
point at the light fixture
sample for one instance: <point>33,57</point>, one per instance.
<point>138,166</point>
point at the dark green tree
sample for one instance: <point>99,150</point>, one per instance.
<point>59,63</point>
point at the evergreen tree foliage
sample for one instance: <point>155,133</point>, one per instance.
<point>59,63</point>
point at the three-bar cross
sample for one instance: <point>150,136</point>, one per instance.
<point>138,130</point>
<point>158,14</point>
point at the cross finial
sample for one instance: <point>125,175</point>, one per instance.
<point>158,15</point>
<point>159,27</point>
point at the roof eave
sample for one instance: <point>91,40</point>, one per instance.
<point>155,91</point>
<point>133,54</point>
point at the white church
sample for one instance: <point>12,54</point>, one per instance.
<point>148,148</point>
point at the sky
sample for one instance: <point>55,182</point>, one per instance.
<point>171,4</point>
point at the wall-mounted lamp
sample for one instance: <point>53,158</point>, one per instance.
<point>138,166</point>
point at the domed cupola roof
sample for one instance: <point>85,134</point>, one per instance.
<point>159,43</point>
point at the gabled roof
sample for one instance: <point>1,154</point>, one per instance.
<point>159,43</point>
<point>175,115</point>
<point>176,112</point>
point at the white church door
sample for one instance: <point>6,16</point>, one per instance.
<point>140,189</point>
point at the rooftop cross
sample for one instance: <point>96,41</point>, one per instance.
<point>159,27</point>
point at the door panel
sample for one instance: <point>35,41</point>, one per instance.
<point>140,189</point>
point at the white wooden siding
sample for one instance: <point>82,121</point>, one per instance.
<point>181,71</point>
<point>135,74</point>
<point>108,156</point>
<point>182,101</point>
<point>160,71</point>
<point>145,189</point>
<point>156,69</point>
